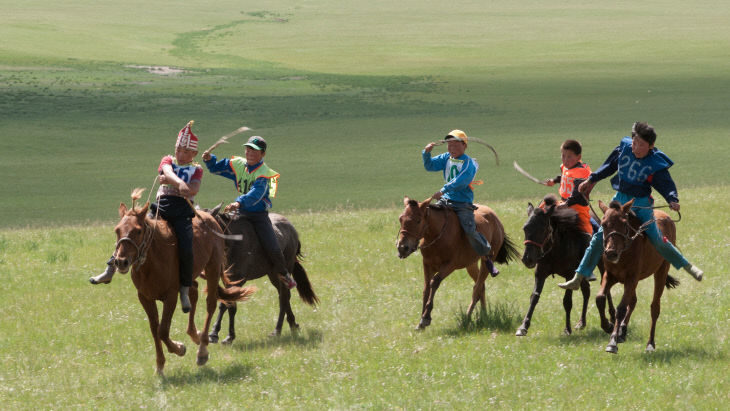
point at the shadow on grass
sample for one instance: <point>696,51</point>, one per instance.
<point>232,373</point>
<point>500,316</point>
<point>308,339</point>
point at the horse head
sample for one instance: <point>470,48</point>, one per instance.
<point>132,237</point>
<point>538,232</point>
<point>412,226</point>
<point>616,229</point>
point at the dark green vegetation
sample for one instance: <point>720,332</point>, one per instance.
<point>347,111</point>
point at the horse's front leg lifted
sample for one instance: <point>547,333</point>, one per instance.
<point>426,317</point>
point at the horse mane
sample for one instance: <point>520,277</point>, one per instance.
<point>564,219</point>
<point>136,195</point>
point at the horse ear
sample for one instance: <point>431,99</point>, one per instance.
<point>215,210</point>
<point>627,207</point>
<point>122,210</point>
<point>602,206</point>
<point>406,200</point>
<point>550,210</point>
<point>530,208</point>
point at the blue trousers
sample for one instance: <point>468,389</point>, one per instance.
<point>465,213</point>
<point>666,249</point>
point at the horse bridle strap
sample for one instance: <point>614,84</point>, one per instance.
<point>541,246</point>
<point>141,248</point>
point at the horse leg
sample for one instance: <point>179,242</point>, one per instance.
<point>477,294</point>
<point>434,286</point>
<point>213,336</point>
<point>210,301</point>
<point>534,299</point>
<point>232,309</point>
<point>428,274</point>
<point>568,306</point>
<point>192,331</point>
<point>290,319</point>
<point>621,311</point>
<point>163,330</point>
<point>604,293</point>
<point>585,290</point>
<point>660,280</point>
<point>279,285</point>
<point>623,328</point>
<point>150,307</point>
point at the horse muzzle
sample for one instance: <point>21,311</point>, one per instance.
<point>612,256</point>
<point>122,265</point>
<point>405,248</point>
<point>529,260</point>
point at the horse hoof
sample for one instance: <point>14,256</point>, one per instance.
<point>275,333</point>
<point>183,350</point>
<point>228,340</point>
<point>202,359</point>
<point>213,338</point>
<point>521,332</point>
<point>621,339</point>
<point>650,348</point>
<point>567,331</point>
<point>613,349</point>
<point>581,325</point>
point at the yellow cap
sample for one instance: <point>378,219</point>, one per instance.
<point>457,135</point>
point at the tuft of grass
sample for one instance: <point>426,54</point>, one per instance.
<point>498,316</point>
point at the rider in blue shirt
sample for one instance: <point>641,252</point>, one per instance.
<point>639,167</point>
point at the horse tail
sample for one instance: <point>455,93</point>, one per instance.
<point>232,294</point>
<point>671,282</point>
<point>304,287</point>
<point>508,252</point>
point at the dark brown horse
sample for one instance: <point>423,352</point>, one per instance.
<point>148,246</point>
<point>629,257</point>
<point>247,260</point>
<point>554,244</point>
<point>437,233</point>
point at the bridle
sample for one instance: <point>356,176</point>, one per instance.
<point>626,235</point>
<point>541,246</point>
<point>423,232</point>
<point>141,248</point>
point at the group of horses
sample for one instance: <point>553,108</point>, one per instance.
<point>554,244</point>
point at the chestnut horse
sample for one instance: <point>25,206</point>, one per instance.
<point>554,244</point>
<point>436,231</point>
<point>629,257</point>
<point>148,246</point>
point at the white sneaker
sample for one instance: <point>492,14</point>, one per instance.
<point>695,272</point>
<point>105,277</point>
<point>572,284</point>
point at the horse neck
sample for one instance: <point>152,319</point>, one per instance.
<point>437,221</point>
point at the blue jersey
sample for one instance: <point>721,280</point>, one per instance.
<point>458,173</point>
<point>636,176</point>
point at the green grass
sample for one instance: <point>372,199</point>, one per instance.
<point>347,94</point>
<point>67,343</point>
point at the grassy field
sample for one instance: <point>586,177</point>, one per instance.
<point>347,93</point>
<point>73,345</point>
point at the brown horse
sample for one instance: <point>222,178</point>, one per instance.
<point>437,233</point>
<point>148,246</point>
<point>629,257</point>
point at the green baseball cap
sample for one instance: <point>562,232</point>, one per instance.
<point>256,143</point>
